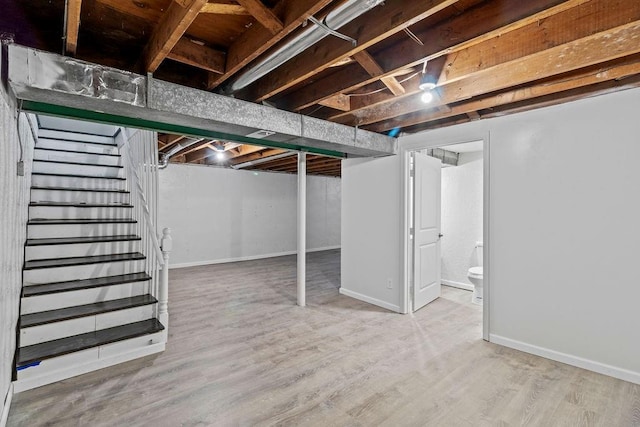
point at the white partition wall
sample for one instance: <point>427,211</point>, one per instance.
<point>564,207</point>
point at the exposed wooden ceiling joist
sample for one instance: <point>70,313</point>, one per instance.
<point>197,55</point>
<point>375,70</point>
<point>173,24</point>
<point>224,9</point>
<point>263,15</point>
<point>73,26</point>
<point>369,29</point>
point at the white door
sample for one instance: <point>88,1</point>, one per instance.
<point>426,239</point>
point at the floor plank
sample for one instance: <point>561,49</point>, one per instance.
<point>241,353</point>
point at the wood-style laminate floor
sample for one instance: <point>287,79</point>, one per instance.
<point>241,353</point>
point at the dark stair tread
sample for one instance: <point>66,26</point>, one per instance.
<point>76,285</point>
<point>91,190</point>
<point>56,138</point>
<point>51,316</point>
<point>75,151</point>
<point>81,260</point>
<point>62,346</point>
<point>77,176</point>
<point>84,239</point>
<point>62,221</point>
<point>81,205</point>
<point>66,162</point>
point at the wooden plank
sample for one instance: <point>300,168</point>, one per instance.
<point>339,102</point>
<point>489,19</point>
<point>201,154</point>
<point>263,15</point>
<point>373,68</point>
<point>268,152</point>
<point>175,21</point>
<point>619,70</point>
<point>244,149</point>
<point>257,39</point>
<point>73,26</point>
<point>518,69</point>
<point>194,54</point>
<point>224,9</point>
<point>369,29</point>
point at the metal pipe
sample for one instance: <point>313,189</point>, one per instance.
<point>336,19</point>
<point>302,228</point>
<point>163,162</point>
<point>263,160</point>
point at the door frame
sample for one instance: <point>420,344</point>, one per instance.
<point>405,157</point>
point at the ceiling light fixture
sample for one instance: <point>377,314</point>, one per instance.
<point>427,97</point>
<point>427,84</point>
<point>220,155</point>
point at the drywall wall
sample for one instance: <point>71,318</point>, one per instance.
<point>461,218</point>
<point>14,199</point>
<point>563,229</point>
<point>221,215</point>
<point>371,211</point>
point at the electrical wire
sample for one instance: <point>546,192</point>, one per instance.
<point>19,112</point>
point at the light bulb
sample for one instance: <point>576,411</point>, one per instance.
<point>427,97</point>
<point>220,155</point>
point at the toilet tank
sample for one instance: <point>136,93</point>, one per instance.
<point>478,253</point>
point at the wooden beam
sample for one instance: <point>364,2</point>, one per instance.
<point>263,15</point>
<point>375,70</point>
<point>244,149</point>
<point>487,20</point>
<point>618,70</point>
<point>173,24</point>
<point>197,55</point>
<point>477,79</point>
<point>201,154</point>
<point>338,102</point>
<point>171,140</point>
<point>73,26</point>
<point>369,29</point>
<point>224,9</point>
<point>268,152</point>
<point>257,39</point>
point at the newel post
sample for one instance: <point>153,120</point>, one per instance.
<point>166,244</point>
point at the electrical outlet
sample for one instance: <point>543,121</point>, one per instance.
<point>389,284</point>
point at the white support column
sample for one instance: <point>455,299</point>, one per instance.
<point>163,291</point>
<point>302,227</point>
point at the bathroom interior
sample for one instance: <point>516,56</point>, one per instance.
<point>462,217</point>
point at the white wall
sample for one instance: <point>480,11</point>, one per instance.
<point>219,215</point>
<point>461,217</point>
<point>14,198</point>
<point>564,229</point>
<point>371,244</point>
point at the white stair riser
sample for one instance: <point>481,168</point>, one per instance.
<point>89,197</point>
<point>79,272</point>
<point>76,146</point>
<point>80,249</point>
<point>66,169</point>
<point>56,134</point>
<point>79,230</point>
<point>58,300</point>
<point>69,365</point>
<point>72,182</point>
<point>72,212</point>
<point>52,331</point>
<point>62,156</point>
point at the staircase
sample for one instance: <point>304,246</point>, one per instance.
<point>88,296</point>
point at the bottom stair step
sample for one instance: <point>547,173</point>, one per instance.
<point>50,349</point>
<point>45,317</point>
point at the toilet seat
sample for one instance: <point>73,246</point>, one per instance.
<point>476,272</point>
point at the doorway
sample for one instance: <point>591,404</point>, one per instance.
<point>445,226</point>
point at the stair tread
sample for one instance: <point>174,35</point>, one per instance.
<point>84,239</point>
<point>81,205</point>
<point>82,260</point>
<point>66,162</point>
<point>62,346</point>
<point>62,221</point>
<point>75,151</point>
<point>78,176</point>
<point>51,316</point>
<point>75,285</point>
<point>81,141</point>
<point>94,190</point>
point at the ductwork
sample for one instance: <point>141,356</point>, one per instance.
<point>163,162</point>
<point>335,20</point>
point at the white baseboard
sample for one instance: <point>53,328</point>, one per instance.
<point>459,285</point>
<point>246,258</point>
<point>75,370</point>
<point>370,300</point>
<point>590,365</point>
<point>7,406</point>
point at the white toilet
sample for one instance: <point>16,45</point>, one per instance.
<point>475,273</point>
